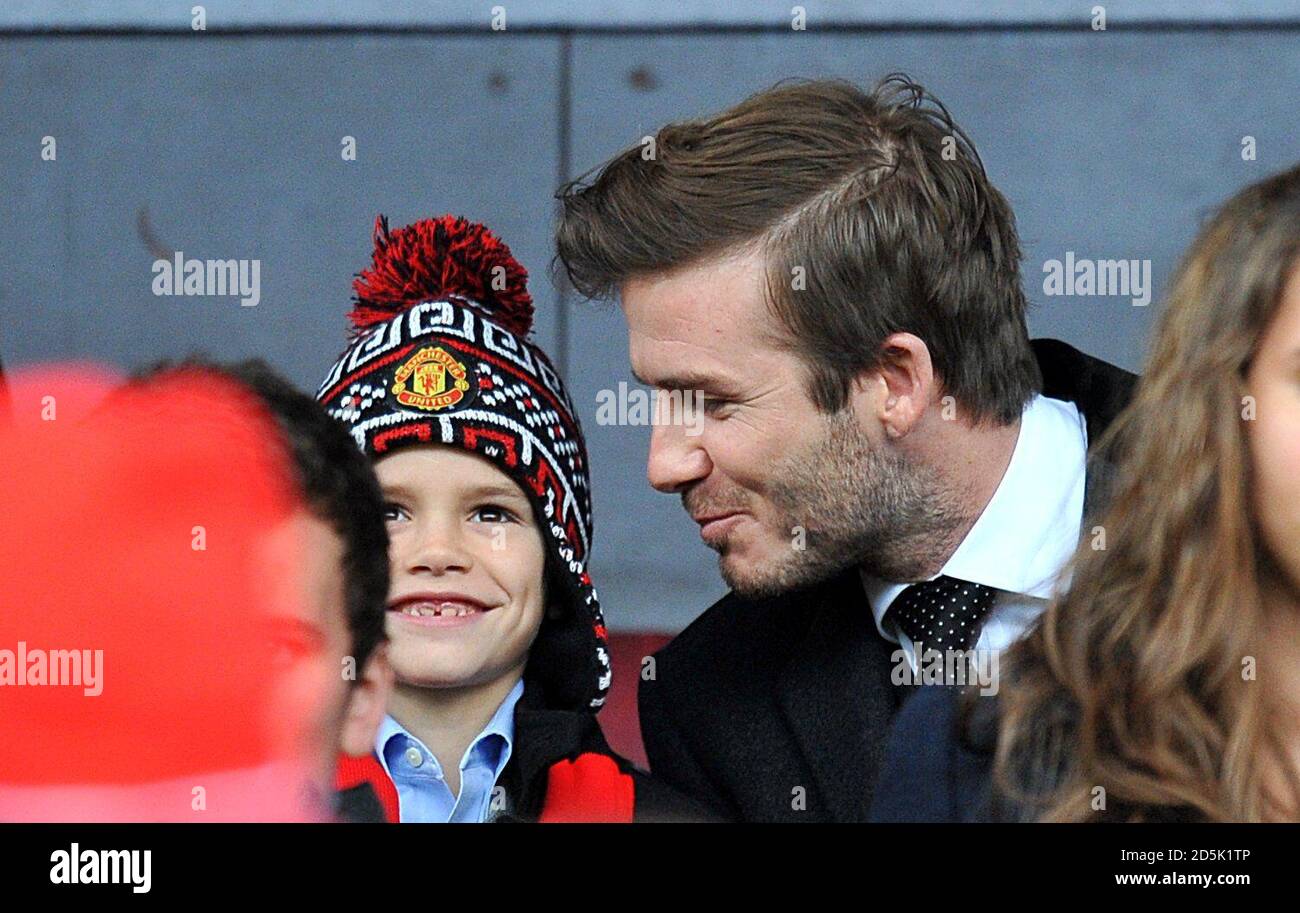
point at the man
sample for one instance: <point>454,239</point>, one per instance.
<point>331,649</point>
<point>833,272</point>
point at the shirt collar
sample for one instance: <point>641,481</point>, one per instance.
<point>501,726</point>
<point>1030,527</point>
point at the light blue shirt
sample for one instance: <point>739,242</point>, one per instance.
<point>1023,541</point>
<point>422,791</point>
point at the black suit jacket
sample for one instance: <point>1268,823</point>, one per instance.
<point>778,709</point>
<point>931,773</point>
<point>938,768</point>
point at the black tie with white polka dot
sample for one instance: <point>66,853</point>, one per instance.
<point>944,613</point>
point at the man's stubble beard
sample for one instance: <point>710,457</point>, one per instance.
<point>857,505</point>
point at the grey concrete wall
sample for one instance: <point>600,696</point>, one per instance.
<point>1109,144</point>
<point>621,14</point>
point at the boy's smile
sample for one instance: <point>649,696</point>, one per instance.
<point>440,609</point>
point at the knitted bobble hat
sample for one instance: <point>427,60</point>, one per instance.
<point>440,355</point>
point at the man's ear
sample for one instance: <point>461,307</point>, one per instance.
<point>901,385</point>
<point>367,702</point>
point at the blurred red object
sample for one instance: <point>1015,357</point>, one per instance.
<point>132,528</point>
<point>618,718</point>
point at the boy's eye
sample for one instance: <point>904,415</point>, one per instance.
<point>493,513</point>
<point>393,512</point>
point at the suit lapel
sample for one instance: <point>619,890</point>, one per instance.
<point>836,696</point>
<point>1101,391</point>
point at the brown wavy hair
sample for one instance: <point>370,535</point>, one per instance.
<point>1136,679</point>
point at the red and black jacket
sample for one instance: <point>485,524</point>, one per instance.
<point>561,770</point>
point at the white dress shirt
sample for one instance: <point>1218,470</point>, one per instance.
<point>1026,535</point>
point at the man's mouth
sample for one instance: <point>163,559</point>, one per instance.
<point>713,518</point>
<point>714,527</point>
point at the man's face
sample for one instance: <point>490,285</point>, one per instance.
<point>467,560</point>
<point>312,708</point>
<point>786,495</point>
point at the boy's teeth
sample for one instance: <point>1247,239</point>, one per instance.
<point>448,609</point>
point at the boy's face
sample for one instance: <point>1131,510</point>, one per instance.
<point>467,563</point>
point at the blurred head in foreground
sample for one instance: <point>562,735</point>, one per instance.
<point>196,620</point>
<point>1166,683</point>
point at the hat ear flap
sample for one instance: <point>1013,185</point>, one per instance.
<point>565,660</point>
<point>556,592</point>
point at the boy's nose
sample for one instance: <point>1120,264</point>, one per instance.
<point>440,551</point>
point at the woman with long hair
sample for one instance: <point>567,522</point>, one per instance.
<point>1164,683</point>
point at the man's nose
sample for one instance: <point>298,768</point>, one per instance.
<point>676,459</point>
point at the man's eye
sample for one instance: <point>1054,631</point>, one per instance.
<point>713,404</point>
<point>292,641</point>
<point>393,512</point>
<point>494,513</point>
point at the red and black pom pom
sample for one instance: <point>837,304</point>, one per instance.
<point>440,258</point>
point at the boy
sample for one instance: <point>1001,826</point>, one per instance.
<point>497,639</point>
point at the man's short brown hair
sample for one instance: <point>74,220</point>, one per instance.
<point>875,215</point>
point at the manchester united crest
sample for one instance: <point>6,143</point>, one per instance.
<point>431,379</point>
